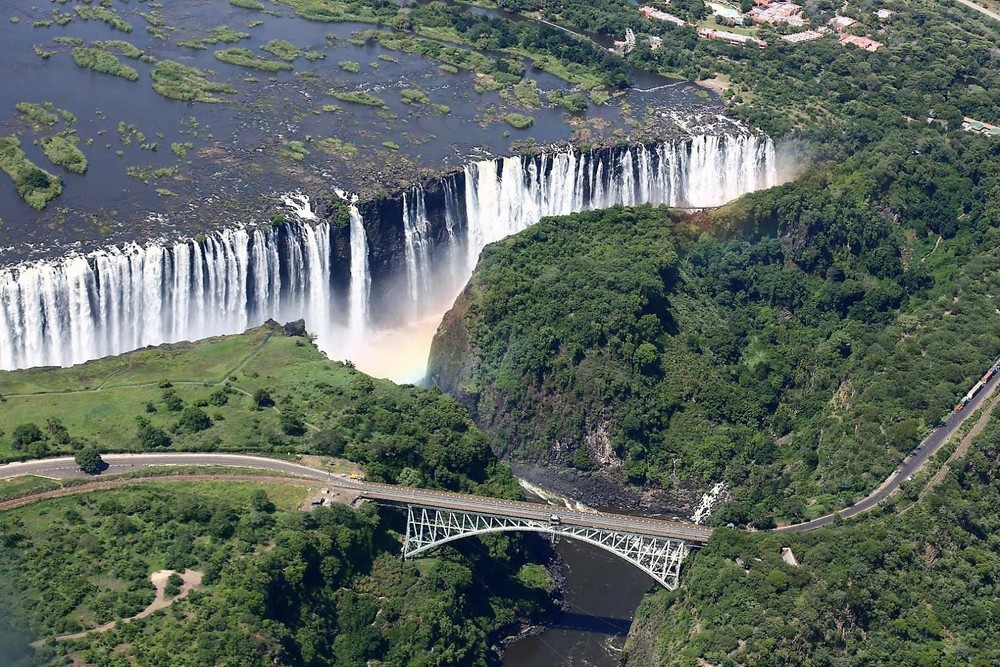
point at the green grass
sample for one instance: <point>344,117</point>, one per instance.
<point>248,4</point>
<point>63,151</point>
<point>282,49</point>
<point>519,121</point>
<point>247,58</point>
<point>104,62</point>
<point>349,66</point>
<point>39,115</point>
<point>338,148</point>
<point>223,34</point>
<point>181,149</point>
<point>127,49</point>
<point>526,92</point>
<point>413,96</point>
<point>359,97</point>
<point>294,149</point>
<point>104,14</point>
<point>36,186</point>
<point>180,82</point>
<point>22,486</point>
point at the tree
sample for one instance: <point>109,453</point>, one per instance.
<point>57,431</point>
<point>194,419</point>
<point>25,434</point>
<point>292,424</point>
<point>260,502</point>
<point>262,399</point>
<point>173,585</point>
<point>90,461</point>
<point>149,436</point>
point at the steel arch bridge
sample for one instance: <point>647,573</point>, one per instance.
<point>659,557</point>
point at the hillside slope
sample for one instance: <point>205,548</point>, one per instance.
<point>795,344</point>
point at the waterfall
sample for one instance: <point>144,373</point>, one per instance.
<point>110,301</point>
<point>360,278</point>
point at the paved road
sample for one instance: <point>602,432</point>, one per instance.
<point>911,464</point>
<point>66,468</point>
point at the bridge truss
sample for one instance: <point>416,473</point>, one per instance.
<point>659,557</point>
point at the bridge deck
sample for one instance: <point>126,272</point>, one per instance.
<point>483,505</point>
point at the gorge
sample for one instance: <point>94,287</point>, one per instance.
<point>394,262</point>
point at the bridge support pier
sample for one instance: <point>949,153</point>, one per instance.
<point>659,557</point>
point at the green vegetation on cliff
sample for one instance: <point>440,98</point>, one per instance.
<point>262,391</point>
<point>911,589</point>
<point>796,344</point>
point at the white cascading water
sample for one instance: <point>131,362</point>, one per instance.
<point>360,277</point>
<point>69,310</point>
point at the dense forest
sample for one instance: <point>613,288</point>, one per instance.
<point>795,344</point>
<point>280,586</point>
<point>915,586</point>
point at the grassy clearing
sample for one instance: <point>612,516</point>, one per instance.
<point>180,82</point>
<point>104,62</point>
<point>360,97</point>
<point>247,58</point>
<point>36,186</point>
<point>63,151</point>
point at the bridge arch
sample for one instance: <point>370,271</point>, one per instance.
<point>659,557</point>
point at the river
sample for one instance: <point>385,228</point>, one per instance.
<point>602,592</point>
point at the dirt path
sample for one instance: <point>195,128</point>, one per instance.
<point>192,580</point>
<point>982,10</point>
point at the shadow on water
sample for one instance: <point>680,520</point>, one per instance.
<point>606,625</point>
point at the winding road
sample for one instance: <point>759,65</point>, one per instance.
<point>66,468</point>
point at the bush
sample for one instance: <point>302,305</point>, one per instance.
<point>151,437</point>
<point>194,420</point>
<point>519,121</point>
<point>25,434</point>
<point>262,399</point>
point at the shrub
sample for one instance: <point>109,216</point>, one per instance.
<point>25,434</point>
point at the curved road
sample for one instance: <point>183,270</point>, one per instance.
<point>66,468</point>
<point>911,464</point>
